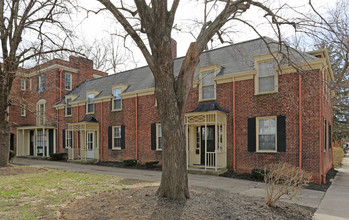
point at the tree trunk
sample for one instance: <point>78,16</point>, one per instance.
<point>4,137</point>
<point>174,179</point>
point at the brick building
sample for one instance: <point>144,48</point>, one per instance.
<point>243,112</point>
<point>34,93</point>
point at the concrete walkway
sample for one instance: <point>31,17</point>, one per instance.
<point>309,198</point>
<point>335,204</point>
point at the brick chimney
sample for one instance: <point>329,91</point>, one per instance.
<point>174,48</point>
<point>82,61</point>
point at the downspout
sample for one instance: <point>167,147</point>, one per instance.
<point>136,106</point>
<point>101,132</point>
<point>60,99</point>
<point>332,130</point>
<point>300,121</point>
<point>234,130</point>
<point>322,129</point>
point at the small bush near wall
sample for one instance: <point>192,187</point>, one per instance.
<point>338,155</point>
<point>11,155</point>
<point>130,163</point>
<point>259,174</point>
<point>284,179</point>
<point>151,164</point>
<point>59,156</point>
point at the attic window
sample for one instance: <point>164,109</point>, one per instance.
<point>207,86</point>
<point>90,106</point>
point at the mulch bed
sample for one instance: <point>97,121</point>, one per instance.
<point>122,165</point>
<point>142,203</point>
<point>313,186</point>
<point>11,170</point>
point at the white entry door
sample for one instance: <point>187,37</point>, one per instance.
<point>90,144</point>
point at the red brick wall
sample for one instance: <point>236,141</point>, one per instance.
<point>52,90</point>
<point>284,102</point>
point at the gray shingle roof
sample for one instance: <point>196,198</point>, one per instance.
<point>233,59</point>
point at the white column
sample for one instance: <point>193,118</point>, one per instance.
<point>216,143</point>
<point>205,141</point>
<point>187,144</point>
<point>17,148</point>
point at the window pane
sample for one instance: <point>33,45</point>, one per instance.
<point>266,68</point>
<point>117,93</point>
<point>267,126</point>
<point>267,142</point>
<point>90,108</point>
<point>117,104</point>
<point>207,92</point>
<point>266,84</point>
<point>160,142</point>
<point>207,78</point>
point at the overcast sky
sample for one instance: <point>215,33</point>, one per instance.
<point>99,26</point>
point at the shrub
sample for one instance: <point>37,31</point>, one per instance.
<point>130,163</point>
<point>259,173</point>
<point>284,179</point>
<point>11,155</point>
<point>338,155</point>
<point>151,164</point>
<point>59,156</point>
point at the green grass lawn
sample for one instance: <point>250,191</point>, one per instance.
<point>40,195</point>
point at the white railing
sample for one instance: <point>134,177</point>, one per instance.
<point>211,160</point>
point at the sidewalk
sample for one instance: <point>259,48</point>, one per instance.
<point>308,197</point>
<point>335,204</point>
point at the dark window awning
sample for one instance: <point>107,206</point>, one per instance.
<point>207,107</point>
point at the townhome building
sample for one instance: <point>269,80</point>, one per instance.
<point>34,93</point>
<point>250,105</point>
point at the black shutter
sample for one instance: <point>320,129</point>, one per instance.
<point>251,140</point>
<point>122,136</point>
<point>281,133</point>
<point>153,136</point>
<point>63,135</point>
<point>329,136</point>
<point>43,82</point>
<point>110,137</point>
<point>37,83</point>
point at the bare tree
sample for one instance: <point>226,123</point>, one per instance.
<point>150,24</point>
<point>331,31</point>
<point>28,28</point>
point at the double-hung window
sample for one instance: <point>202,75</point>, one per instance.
<point>266,77</point>
<point>68,108</point>
<point>69,139</point>
<point>208,87</point>
<point>159,137</point>
<point>117,102</point>
<point>68,81</point>
<point>23,82</point>
<point>23,112</point>
<point>90,103</point>
<point>266,134</point>
<point>117,137</point>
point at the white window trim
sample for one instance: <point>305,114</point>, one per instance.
<point>215,69</point>
<point>276,78</point>
<point>71,81</point>
<point>41,102</point>
<point>113,107</point>
<point>71,138</point>
<point>66,108</point>
<point>24,85</point>
<point>157,137</point>
<point>94,96</point>
<point>30,85</point>
<point>40,84</point>
<point>23,111</point>
<point>257,135</point>
<point>115,148</point>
